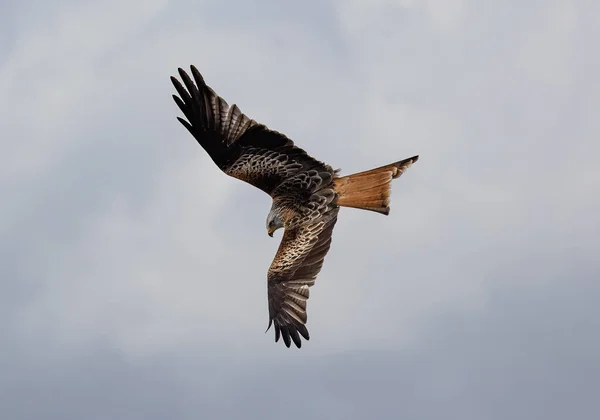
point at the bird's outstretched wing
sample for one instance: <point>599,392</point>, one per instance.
<point>240,146</point>
<point>296,265</point>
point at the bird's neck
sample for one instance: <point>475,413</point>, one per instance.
<point>286,212</point>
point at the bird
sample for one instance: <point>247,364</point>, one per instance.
<point>306,193</point>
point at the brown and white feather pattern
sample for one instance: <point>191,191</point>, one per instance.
<point>255,165</point>
<point>297,263</point>
<point>311,212</point>
<point>307,195</point>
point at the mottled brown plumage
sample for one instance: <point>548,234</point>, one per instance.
<point>307,194</point>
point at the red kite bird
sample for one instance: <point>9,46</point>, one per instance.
<point>307,194</point>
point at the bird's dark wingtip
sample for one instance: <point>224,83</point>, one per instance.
<point>176,83</point>
<point>183,74</point>
<point>197,76</point>
<point>303,331</point>
<point>289,333</point>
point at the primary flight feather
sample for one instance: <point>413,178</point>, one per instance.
<point>307,194</point>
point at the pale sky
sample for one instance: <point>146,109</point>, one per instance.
<point>133,272</point>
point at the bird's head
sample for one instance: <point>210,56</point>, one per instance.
<point>274,222</point>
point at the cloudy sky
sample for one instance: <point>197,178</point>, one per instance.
<point>133,272</point>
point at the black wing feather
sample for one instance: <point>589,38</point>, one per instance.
<point>240,146</point>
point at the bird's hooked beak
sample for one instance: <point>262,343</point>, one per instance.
<point>270,232</point>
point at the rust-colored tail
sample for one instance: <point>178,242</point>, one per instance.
<point>370,190</point>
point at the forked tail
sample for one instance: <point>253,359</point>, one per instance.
<point>370,190</point>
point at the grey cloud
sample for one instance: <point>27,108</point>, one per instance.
<point>474,299</point>
<point>524,354</point>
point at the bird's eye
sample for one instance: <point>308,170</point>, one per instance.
<point>271,223</point>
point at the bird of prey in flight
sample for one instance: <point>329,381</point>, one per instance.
<point>307,194</point>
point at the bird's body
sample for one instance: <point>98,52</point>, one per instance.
<point>306,193</point>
